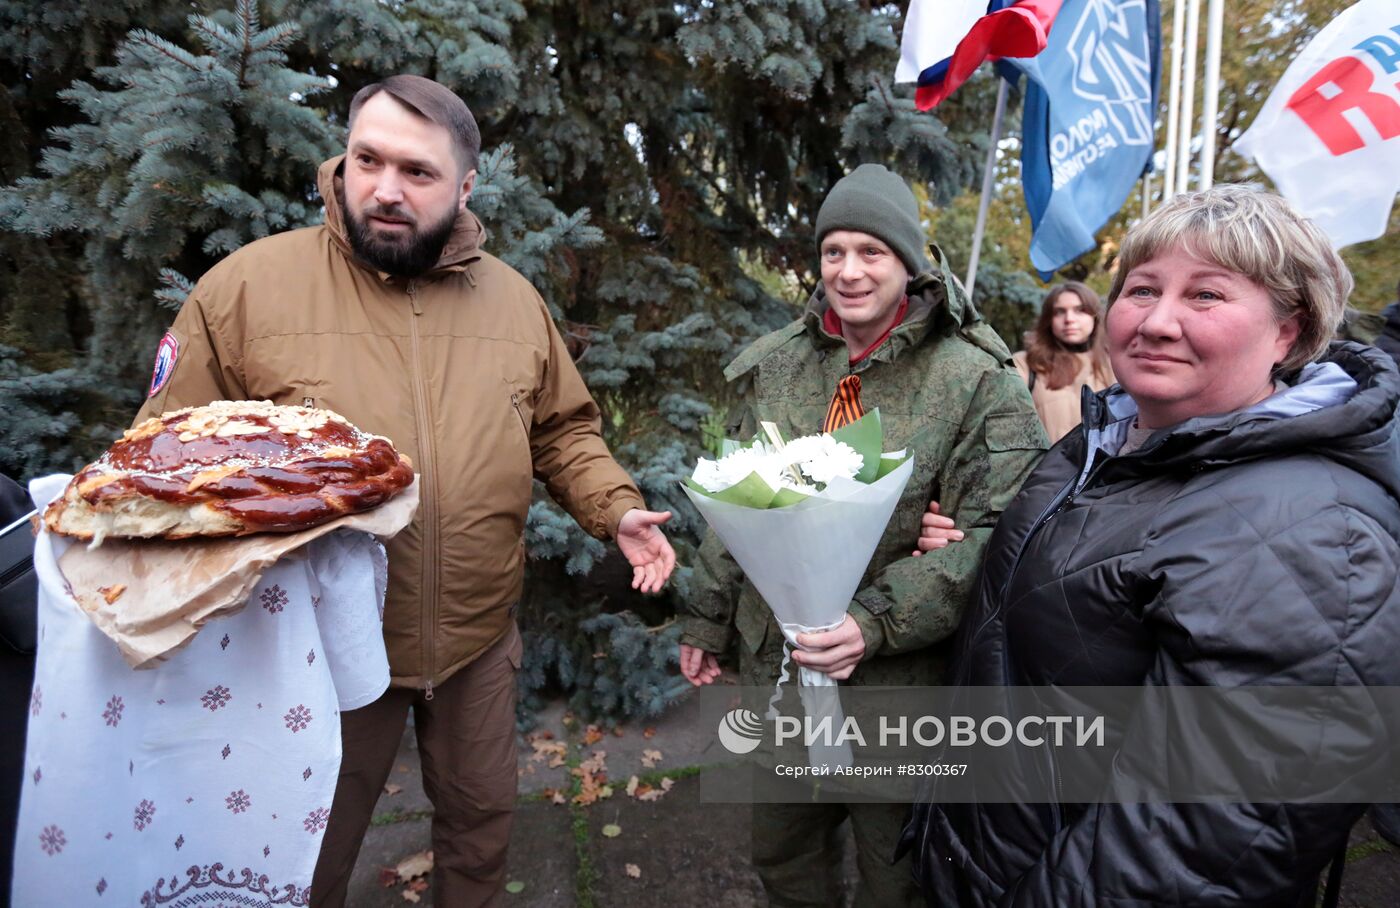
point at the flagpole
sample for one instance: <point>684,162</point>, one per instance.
<point>1188,98</point>
<point>1214,26</point>
<point>987,182</point>
<point>1174,99</point>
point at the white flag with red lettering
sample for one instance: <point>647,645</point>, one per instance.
<point>1329,135</point>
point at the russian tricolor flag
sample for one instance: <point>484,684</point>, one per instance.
<point>946,40</point>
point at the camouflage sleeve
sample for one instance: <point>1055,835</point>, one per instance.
<point>707,610</point>
<point>915,602</point>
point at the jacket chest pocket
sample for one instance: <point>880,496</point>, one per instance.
<point>1012,440</point>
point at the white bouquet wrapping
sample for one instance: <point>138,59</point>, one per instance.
<point>803,519</point>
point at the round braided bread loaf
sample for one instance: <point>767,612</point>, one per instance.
<point>229,469</point>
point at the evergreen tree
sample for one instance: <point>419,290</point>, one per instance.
<point>654,168</point>
<point>54,411</point>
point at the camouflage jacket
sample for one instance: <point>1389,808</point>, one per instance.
<point>947,391</point>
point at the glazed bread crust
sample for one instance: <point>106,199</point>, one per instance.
<point>230,468</point>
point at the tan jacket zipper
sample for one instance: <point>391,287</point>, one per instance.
<point>431,556</point>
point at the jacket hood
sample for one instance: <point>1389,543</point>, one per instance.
<point>463,246</point>
<point>1342,407</point>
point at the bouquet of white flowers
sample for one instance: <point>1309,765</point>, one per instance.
<point>802,518</point>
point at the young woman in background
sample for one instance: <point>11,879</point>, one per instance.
<point>1065,351</point>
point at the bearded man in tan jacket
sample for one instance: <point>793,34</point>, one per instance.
<point>391,314</point>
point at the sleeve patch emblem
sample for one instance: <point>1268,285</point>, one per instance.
<point>166,354</point>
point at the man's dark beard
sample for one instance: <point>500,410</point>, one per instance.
<point>409,256</point>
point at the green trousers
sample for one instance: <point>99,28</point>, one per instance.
<point>798,848</point>
<point>797,851</point>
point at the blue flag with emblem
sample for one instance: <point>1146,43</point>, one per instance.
<point>1088,122</point>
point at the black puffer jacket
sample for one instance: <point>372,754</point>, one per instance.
<point>1258,548</point>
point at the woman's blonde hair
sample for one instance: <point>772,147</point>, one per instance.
<point>1256,234</point>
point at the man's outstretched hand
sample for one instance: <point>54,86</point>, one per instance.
<point>646,548</point>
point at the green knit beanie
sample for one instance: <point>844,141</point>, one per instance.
<point>874,200</point>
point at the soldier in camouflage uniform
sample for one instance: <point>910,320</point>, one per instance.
<point>946,390</point>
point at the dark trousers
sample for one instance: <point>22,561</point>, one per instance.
<point>797,847</point>
<point>16,682</point>
<point>466,741</point>
<point>797,851</point>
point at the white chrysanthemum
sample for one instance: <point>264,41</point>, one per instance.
<point>819,458</point>
<point>822,458</point>
<point>718,475</point>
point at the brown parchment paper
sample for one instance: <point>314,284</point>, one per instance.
<point>173,588</point>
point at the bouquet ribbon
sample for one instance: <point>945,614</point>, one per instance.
<point>821,699</point>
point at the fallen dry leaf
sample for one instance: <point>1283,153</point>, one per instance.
<point>632,787</point>
<point>546,749</point>
<point>112,593</point>
<point>402,767</point>
<point>647,793</point>
<point>391,789</point>
<point>418,865</point>
<point>591,736</point>
<point>592,775</point>
<point>414,865</point>
<point>633,871</point>
<point>649,733</point>
<point>617,731</point>
<point>612,830</point>
<point>650,758</point>
<point>388,876</point>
